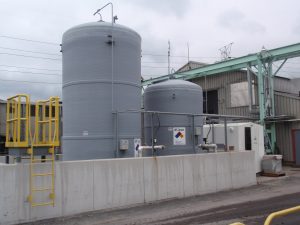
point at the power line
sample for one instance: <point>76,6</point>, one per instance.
<point>21,50</point>
<point>29,40</point>
<point>46,74</point>
<point>33,68</point>
<point>155,67</point>
<point>154,62</point>
<point>31,82</point>
<point>180,56</point>
<point>28,56</point>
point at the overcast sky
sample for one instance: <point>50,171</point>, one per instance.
<point>206,25</point>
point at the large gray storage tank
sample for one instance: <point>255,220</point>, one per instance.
<point>179,133</point>
<point>96,82</point>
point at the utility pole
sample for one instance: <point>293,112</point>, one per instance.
<point>169,50</point>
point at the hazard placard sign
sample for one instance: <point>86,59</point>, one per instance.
<point>179,136</point>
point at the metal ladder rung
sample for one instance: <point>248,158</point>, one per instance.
<point>43,121</point>
<point>41,160</point>
<point>41,189</point>
<point>12,120</point>
<point>42,174</point>
<point>42,203</point>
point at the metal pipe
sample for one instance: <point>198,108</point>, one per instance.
<point>117,134</point>
<point>112,52</point>
<point>155,147</point>
<point>225,127</point>
<point>152,134</point>
<point>190,114</point>
<point>193,132</point>
<point>281,213</point>
<point>208,146</point>
<point>212,133</point>
<point>250,97</point>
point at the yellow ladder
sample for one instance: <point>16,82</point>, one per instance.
<point>50,188</point>
<point>46,136</point>
<point>44,141</point>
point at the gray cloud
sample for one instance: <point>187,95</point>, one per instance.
<point>296,29</point>
<point>202,24</point>
<point>176,7</point>
<point>235,20</point>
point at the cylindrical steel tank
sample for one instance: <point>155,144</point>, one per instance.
<point>101,75</point>
<point>179,133</point>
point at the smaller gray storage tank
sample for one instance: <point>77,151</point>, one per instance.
<point>179,133</point>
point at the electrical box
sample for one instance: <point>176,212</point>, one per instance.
<point>124,144</point>
<point>272,164</point>
<point>198,131</point>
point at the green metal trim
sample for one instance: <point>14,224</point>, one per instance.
<point>281,53</point>
<point>261,92</point>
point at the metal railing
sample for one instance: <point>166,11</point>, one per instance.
<point>281,213</point>
<point>276,215</point>
<point>17,119</point>
<point>47,122</point>
<point>212,118</point>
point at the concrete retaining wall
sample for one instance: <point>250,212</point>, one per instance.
<point>83,186</point>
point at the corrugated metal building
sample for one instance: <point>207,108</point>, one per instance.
<point>227,93</point>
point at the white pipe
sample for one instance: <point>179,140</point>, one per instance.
<point>208,146</point>
<point>155,147</point>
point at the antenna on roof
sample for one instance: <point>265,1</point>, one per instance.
<point>225,52</point>
<point>188,51</point>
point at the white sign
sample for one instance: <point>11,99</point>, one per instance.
<point>137,144</point>
<point>179,136</point>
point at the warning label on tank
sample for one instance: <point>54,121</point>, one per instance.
<point>179,136</point>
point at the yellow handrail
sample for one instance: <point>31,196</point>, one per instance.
<point>281,213</point>
<point>17,119</point>
<point>47,123</point>
<point>276,215</point>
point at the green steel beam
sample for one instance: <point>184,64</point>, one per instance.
<point>261,92</point>
<point>281,53</point>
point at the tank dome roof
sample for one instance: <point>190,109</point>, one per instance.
<point>174,84</point>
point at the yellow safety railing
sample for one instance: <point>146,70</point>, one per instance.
<point>45,137</point>
<point>281,213</point>
<point>47,122</point>
<point>276,215</point>
<point>17,120</point>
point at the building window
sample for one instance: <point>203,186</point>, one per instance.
<point>239,95</point>
<point>210,103</point>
